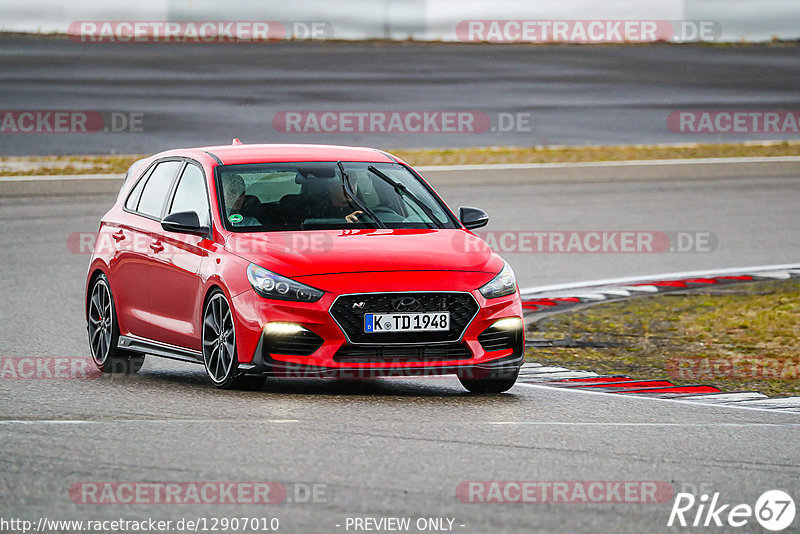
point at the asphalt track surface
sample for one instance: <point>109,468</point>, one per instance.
<point>205,94</point>
<point>387,447</point>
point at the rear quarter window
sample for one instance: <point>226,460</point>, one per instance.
<point>154,193</point>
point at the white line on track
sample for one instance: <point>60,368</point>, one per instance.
<point>630,396</point>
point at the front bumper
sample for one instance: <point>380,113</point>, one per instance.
<point>466,356</point>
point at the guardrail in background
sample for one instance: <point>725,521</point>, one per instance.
<point>426,20</point>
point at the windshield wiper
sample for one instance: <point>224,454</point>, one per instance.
<point>348,190</point>
<point>401,189</point>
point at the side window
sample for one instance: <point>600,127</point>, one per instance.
<point>191,194</point>
<point>157,188</point>
<point>133,200</point>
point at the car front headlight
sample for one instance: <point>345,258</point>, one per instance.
<point>274,286</point>
<point>501,285</point>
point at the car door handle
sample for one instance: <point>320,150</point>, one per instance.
<point>119,236</point>
<point>156,246</point>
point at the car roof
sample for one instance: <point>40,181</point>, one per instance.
<point>275,153</point>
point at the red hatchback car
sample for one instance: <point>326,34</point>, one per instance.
<point>298,261</point>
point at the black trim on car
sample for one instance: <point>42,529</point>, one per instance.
<point>427,353</point>
<point>156,348</point>
<point>176,183</point>
<point>493,339</point>
<point>391,157</point>
<point>219,161</point>
<point>378,341</point>
<point>264,364</point>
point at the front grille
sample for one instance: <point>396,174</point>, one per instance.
<point>498,339</point>
<point>300,344</point>
<point>402,354</point>
<point>462,308</point>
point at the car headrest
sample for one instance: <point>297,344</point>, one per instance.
<point>317,170</point>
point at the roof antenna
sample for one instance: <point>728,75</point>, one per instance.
<point>236,141</point>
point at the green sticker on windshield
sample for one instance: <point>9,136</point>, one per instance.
<point>235,218</point>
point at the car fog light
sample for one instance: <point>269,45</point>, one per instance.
<point>509,323</point>
<point>282,329</point>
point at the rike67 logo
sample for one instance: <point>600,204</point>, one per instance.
<point>774,510</point>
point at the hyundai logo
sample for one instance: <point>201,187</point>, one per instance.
<point>405,304</point>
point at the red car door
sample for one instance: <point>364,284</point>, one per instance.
<point>130,268</point>
<point>128,273</point>
<point>174,271</point>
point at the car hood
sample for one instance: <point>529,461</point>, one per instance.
<point>309,253</point>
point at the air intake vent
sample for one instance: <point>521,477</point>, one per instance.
<point>401,354</point>
<point>301,344</point>
<point>498,339</point>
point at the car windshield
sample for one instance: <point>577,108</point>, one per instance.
<point>327,195</point>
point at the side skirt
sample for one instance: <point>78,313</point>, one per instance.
<point>147,346</point>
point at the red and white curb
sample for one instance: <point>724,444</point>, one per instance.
<point>561,377</point>
<point>541,302</point>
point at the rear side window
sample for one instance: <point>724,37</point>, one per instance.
<point>155,191</point>
<point>191,194</point>
<point>136,194</point>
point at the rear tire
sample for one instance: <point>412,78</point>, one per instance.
<point>492,382</point>
<point>103,331</point>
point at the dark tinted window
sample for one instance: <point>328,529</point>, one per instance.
<point>191,194</point>
<point>157,188</point>
<point>312,196</point>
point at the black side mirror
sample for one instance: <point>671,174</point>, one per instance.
<point>183,222</point>
<point>472,218</point>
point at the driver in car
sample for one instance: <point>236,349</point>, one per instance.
<point>233,189</point>
<point>340,206</point>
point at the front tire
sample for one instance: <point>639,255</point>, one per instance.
<point>491,381</point>
<point>219,347</point>
<point>103,331</point>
